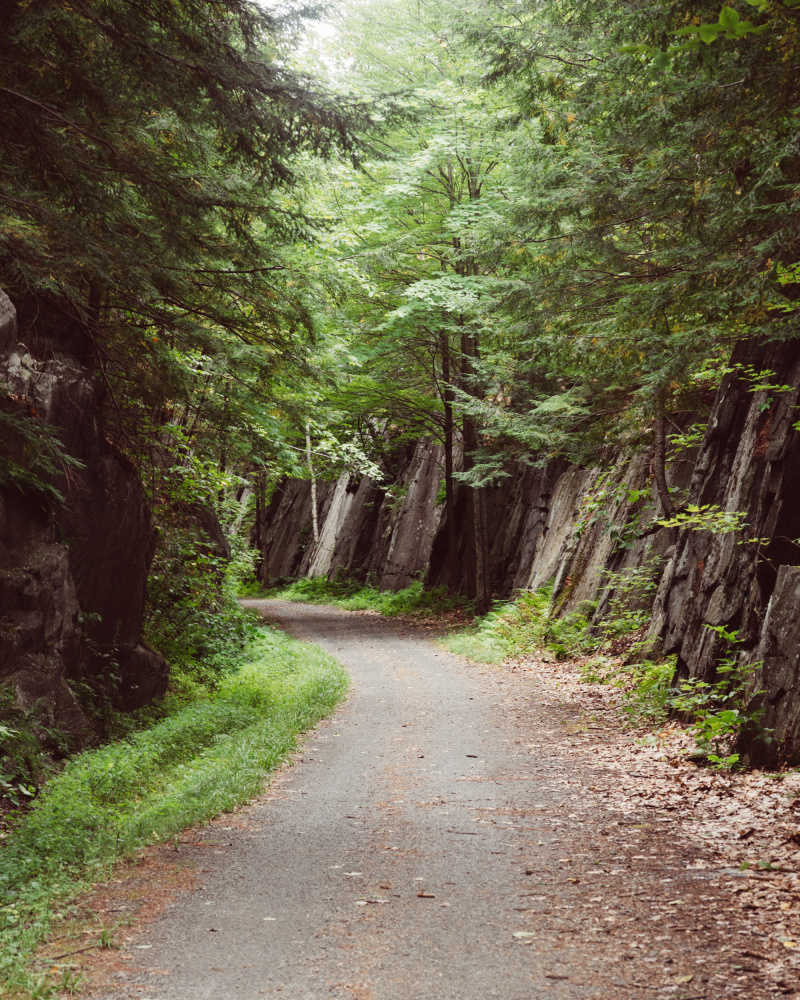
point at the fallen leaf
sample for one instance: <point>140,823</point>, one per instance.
<point>683,979</point>
<point>524,934</point>
<point>789,944</point>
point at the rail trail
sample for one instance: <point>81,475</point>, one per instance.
<point>430,842</point>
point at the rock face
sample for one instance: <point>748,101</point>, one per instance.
<point>365,532</point>
<point>749,462</point>
<point>551,523</point>
<point>778,679</point>
<point>72,575</point>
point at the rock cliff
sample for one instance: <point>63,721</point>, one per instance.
<point>749,462</point>
<point>73,573</point>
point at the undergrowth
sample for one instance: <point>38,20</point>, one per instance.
<point>526,625</point>
<point>207,756</point>
<point>361,597</point>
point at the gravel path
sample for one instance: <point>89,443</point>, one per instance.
<point>419,849</point>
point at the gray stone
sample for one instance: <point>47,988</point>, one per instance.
<point>8,323</point>
<point>778,679</point>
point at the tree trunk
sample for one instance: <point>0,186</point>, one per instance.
<point>260,564</point>
<point>483,589</point>
<point>469,352</point>
<point>449,427</point>
<point>314,521</point>
<point>660,460</point>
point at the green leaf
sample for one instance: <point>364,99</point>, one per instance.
<point>729,18</point>
<point>708,32</point>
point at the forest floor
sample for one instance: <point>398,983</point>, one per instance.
<point>463,832</point>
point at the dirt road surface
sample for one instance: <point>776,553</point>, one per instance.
<point>420,849</point>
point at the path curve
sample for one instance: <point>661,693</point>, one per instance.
<point>419,849</point>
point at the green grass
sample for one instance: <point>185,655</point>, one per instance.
<point>208,757</point>
<point>359,597</point>
<point>522,626</point>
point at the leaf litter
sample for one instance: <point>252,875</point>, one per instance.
<point>737,835</point>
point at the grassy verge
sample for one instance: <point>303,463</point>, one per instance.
<point>522,626</point>
<point>359,597</point>
<point>209,756</point>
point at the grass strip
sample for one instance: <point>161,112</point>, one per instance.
<point>352,596</point>
<point>205,759</point>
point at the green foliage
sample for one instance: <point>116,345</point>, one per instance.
<point>31,454</point>
<point>652,209</point>
<point>354,596</point>
<point>707,517</point>
<point>630,606</point>
<point>647,690</point>
<point>525,625</point>
<point>207,757</point>
<point>137,178</point>
<point>29,750</point>
<point>715,709</point>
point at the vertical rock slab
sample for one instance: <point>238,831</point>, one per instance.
<point>749,462</point>
<point>778,679</point>
<point>361,531</point>
<point>285,529</point>
<point>415,521</point>
<point>330,529</point>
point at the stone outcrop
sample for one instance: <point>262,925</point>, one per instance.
<point>72,574</point>
<point>549,523</point>
<point>777,681</point>
<point>366,532</point>
<point>749,462</point>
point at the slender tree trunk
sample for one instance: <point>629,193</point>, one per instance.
<point>660,459</point>
<point>449,498</point>
<point>469,352</point>
<point>314,521</point>
<point>257,538</point>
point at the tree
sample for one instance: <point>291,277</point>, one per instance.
<point>657,211</point>
<point>416,226</point>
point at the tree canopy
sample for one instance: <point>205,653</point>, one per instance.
<point>526,229</point>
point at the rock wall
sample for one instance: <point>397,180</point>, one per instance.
<point>750,462</point>
<point>365,531</point>
<point>550,523</point>
<point>72,575</point>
